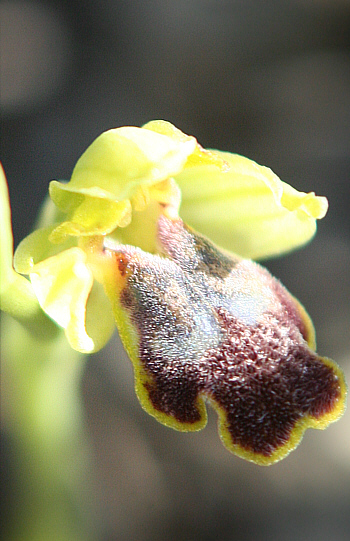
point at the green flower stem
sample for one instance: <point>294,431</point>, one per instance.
<point>42,414</point>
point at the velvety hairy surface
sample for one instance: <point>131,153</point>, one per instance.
<point>217,327</point>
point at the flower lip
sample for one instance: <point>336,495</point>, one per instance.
<point>187,334</point>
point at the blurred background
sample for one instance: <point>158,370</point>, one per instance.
<point>266,79</point>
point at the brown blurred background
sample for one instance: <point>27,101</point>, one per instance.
<point>266,79</point>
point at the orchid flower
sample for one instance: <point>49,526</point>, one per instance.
<point>155,235</point>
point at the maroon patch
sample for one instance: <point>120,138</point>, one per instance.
<point>266,381</point>
<point>263,379</point>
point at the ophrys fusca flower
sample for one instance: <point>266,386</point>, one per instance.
<point>199,323</point>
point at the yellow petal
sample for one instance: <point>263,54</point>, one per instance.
<point>62,285</point>
<point>122,159</point>
<point>120,164</point>
<point>248,209</point>
<point>93,216</point>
